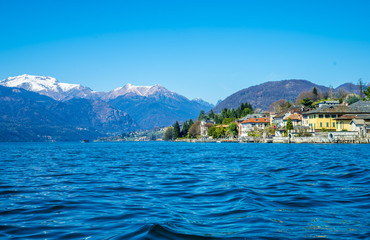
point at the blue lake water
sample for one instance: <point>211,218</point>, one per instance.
<point>158,190</point>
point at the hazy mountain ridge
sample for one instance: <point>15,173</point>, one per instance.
<point>158,109</point>
<point>29,116</point>
<point>262,95</point>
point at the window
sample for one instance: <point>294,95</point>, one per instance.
<point>314,116</point>
<point>321,116</point>
<point>320,124</point>
<point>327,124</point>
<point>333,116</point>
<point>333,124</point>
<point>327,115</point>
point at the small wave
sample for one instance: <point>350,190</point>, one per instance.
<point>159,232</point>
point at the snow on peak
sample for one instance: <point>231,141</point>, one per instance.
<point>43,85</point>
<point>136,90</point>
<point>38,83</point>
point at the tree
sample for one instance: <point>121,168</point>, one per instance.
<point>194,130</point>
<point>233,129</point>
<point>185,129</point>
<point>217,118</point>
<point>211,114</point>
<point>211,131</point>
<point>361,86</point>
<point>228,121</point>
<point>367,92</point>
<point>306,95</point>
<point>289,124</point>
<point>176,131</point>
<point>223,114</point>
<point>220,131</point>
<point>246,111</point>
<point>306,102</point>
<point>331,92</point>
<point>191,123</point>
<point>342,93</point>
<point>279,105</point>
<point>352,99</point>
<point>202,115</point>
<point>314,91</point>
<point>168,134</point>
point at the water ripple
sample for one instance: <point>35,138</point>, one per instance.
<point>184,191</point>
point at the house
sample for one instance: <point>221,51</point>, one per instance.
<point>328,103</point>
<point>250,124</point>
<point>253,115</point>
<point>343,123</point>
<point>296,119</point>
<point>280,119</point>
<point>203,128</point>
<point>325,117</point>
<point>361,125</point>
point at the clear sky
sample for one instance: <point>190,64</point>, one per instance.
<point>207,49</point>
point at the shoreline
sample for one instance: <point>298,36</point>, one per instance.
<point>300,140</point>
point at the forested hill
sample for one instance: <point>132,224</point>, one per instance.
<point>261,96</point>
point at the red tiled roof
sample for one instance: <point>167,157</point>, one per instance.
<point>256,120</point>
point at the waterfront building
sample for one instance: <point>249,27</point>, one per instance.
<point>343,123</point>
<point>251,124</point>
<point>249,116</point>
<point>296,119</point>
<point>280,119</point>
<point>325,117</point>
<point>361,125</point>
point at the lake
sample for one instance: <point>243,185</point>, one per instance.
<point>164,190</point>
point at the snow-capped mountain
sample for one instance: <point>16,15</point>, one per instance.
<point>130,90</point>
<point>48,86</point>
<point>149,106</point>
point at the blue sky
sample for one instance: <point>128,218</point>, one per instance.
<point>206,49</point>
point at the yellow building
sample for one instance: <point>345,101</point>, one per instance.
<point>329,117</point>
<point>343,123</point>
<point>318,121</point>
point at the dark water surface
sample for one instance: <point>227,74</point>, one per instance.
<point>184,191</point>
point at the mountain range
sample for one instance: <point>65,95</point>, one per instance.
<point>44,108</point>
<point>39,108</point>
<point>261,96</point>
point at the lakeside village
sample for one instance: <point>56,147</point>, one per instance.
<point>314,118</point>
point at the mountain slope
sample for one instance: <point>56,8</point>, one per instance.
<point>349,87</point>
<point>28,116</point>
<point>158,108</point>
<point>262,95</point>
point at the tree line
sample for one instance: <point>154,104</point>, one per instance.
<point>214,124</point>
